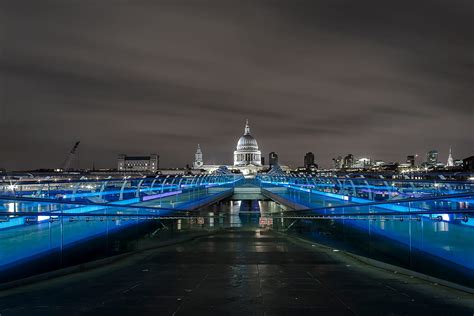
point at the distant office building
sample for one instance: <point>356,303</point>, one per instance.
<point>272,159</point>
<point>139,163</point>
<point>432,158</point>
<point>309,161</point>
<point>458,163</point>
<point>362,163</point>
<point>378,163</point>
<point>468,164</point>
<point>198,162</point>
<point>392,166</point>
<point>348,161</point>
<point>338,162</point>
<point>411,160</point>
<point>450,162</point>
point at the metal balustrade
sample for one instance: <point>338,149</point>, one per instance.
<point>108,190</point>
<point>45,224</point>
<point>426,226</point>
<point>85,196</point>
<point>363,189</point>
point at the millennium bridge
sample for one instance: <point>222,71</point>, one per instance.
<point>269,245</point>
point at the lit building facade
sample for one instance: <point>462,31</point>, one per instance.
<point>410,161</point>
<point>138,163</point>
<point>338,162</point>
<point>362,163</point>
<point>348,161</point>
<point>432,157</point>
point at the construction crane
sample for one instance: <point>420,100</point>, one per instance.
<point>70,157</point>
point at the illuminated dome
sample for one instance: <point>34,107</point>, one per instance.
<point>247,142</point>
<point>247,150</point>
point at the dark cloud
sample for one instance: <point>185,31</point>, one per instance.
<point>378,78</point>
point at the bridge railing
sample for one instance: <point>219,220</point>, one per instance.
<point>114,190</point>
<point>44,235</point>
<point>364,189</point>
<point>432,235</point>
<point>87,196</point>
<point>46,222</point>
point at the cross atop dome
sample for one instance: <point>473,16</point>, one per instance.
<point>247,127</point>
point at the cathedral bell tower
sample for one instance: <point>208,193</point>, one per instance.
<point>198,163</point>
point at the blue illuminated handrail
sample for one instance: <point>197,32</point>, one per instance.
<point>385,213</point>
<point>105,187</point>
<point>366,190</point>
<point>86,203</point>
<point>407,200</point>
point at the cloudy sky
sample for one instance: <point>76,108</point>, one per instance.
<point>374,78</point>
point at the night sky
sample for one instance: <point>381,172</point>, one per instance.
<point>382,79</point>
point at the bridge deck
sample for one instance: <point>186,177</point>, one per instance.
<point>244,272</point>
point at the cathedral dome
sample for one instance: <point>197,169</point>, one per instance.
<point>247,142</point>
<point>247,152</point>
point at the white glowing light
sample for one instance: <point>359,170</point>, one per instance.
<point>11,207</point>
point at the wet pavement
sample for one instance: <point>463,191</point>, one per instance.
<point>236,271</point>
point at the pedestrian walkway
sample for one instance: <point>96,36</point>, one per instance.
<point>236,272</point>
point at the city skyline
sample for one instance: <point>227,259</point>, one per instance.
<point>419,158</point>
<point>367,78</point>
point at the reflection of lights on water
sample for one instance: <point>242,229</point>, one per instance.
<point>179,225</point>
<point>234,218</point>
<point>235,206</point>
<point>211,219</point>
